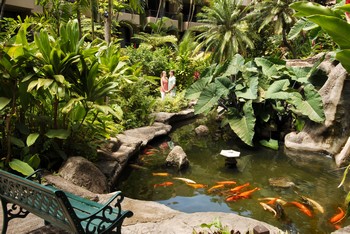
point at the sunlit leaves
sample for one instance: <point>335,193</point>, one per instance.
<point>195,90</point>
<point>21,167</point>
<point>332,22</point>
<point>310,105</point>
<point>251,91</point>
<point>278,90</point>
<point>4,102</point>
<point>58,133</point>
<point>271,143</point>
<point>207,99</point>
<point>270,88</point>
<point>32,138</point>
<point>243,124</point>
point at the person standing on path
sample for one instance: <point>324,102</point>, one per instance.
<point>163,84</point>
<point>172,84</point>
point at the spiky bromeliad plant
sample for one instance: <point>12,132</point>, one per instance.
<point>257,95</point>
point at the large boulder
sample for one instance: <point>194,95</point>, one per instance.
<point>82,172</point>
<point>177,158</point>
<point>331,136</point>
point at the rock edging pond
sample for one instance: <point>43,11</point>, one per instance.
<point>114,156</point>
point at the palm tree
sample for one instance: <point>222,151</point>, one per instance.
<point>224,30</point>
<point>276,13</point>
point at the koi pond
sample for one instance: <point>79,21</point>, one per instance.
<point>315,177</point>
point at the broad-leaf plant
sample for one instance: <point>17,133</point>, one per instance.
<point>257,96</point>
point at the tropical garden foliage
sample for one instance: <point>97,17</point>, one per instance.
<point>55,89</point>
<point>63,79</point>
<point>258,95</point>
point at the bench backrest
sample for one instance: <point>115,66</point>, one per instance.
<point>40,200</point>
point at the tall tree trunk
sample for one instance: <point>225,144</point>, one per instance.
<point>159,9</point>
<point>2,9</point>
<point>108,22</point>
<point>92,3</point>
<point>79,19</point>
<point>192,9</point>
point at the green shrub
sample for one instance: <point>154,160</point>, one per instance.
<point>172,104</point>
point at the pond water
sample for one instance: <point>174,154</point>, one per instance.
<point>315,177</point>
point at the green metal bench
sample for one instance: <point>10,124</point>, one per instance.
<point>58,208</point>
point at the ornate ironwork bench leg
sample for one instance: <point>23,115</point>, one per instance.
<point>5,216</point>
<point>14,212</point>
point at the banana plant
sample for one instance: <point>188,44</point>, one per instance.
<point>332,21</point>
<point>256,94</point>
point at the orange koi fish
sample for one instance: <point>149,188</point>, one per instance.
<point>338,217</point>
<point>196,186</point>
<point>161,174</point>
<point>246,194</point>
<point>302,208</point>
<point>236,189</point>
<point>149,152</point>
<point>233,198</point>
<point>226,182</point>
<point>215,187</point>
<point>271,202</point>
<point>165,184</point>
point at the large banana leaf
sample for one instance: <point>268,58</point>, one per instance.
<point>268,68</point>
<point>208,98</point>
<point>250,92</point>
<point>236,64</point>
<point>310,106</point>
<point>310,8</point>
<point>344,57</point>
<point>194,91</point>
<point>337,28</point>
<point>224,84</point>
<point>243,125</point>
<point>277,90</point>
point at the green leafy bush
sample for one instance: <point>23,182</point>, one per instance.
<point>136,103</point>
<point>172,104</point>
<point>257,96</point>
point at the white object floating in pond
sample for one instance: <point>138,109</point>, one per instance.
<point>230,153</point>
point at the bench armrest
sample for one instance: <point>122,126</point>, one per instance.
<point>107,206</point>
<point>36,175</point>
<point>107,216</point>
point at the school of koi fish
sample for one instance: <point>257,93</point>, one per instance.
<point>306,205</point>
<point>233,193</point>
